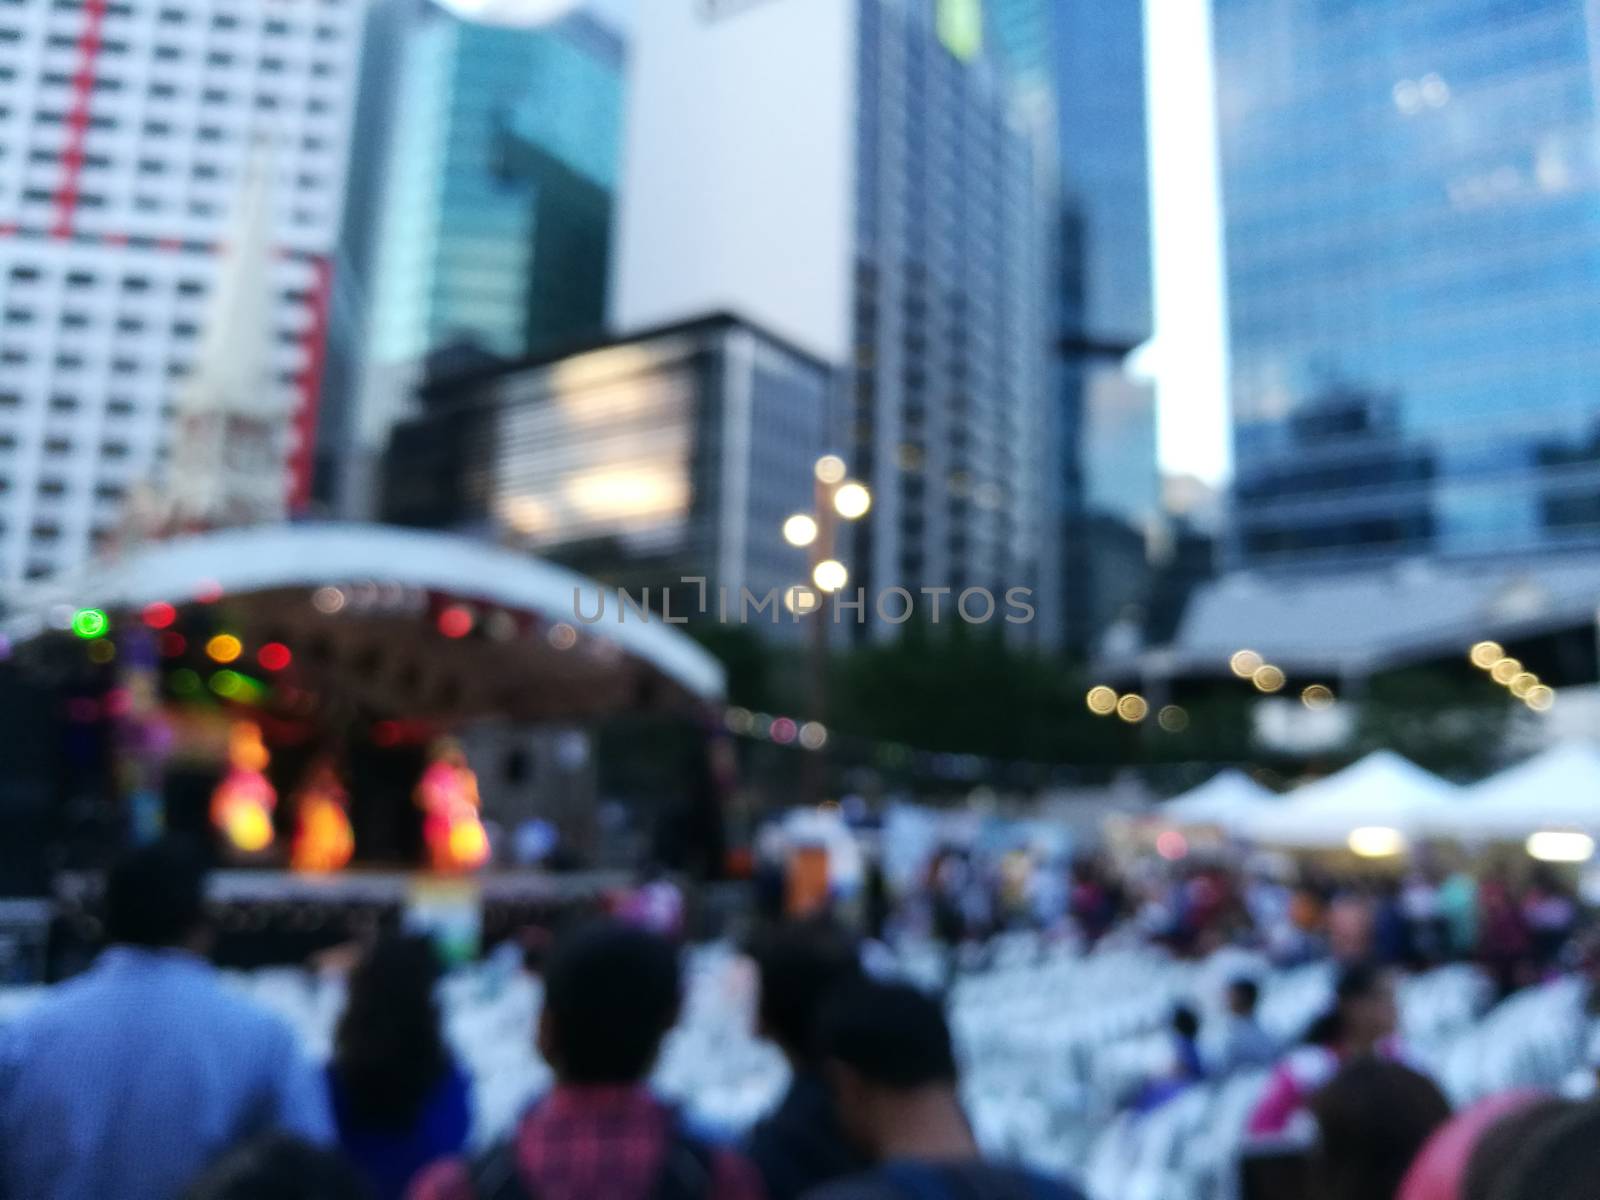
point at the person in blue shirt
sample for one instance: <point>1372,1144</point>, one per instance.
<point>400,1100</point>
<point>131,1079</point>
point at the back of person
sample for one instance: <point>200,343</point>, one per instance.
<point>129,1080</point>
<point>611,995</point>
<point>887,1052</point>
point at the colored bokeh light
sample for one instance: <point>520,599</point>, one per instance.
<point>224,648</point>
<point>455,621</point>
<point>172,644</point>
<point>784,731</point>
<point>160,615</point>
<point>90,623</point>
<point>274,656</point>
<point>101,651</point>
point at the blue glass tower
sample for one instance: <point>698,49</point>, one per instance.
<point>1413,254</point>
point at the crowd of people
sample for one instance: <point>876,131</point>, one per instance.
<point>148,1077</point>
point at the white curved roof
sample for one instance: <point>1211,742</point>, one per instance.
<point>1228,800</point>
<point>315,555</point>
<point>1383,789</point>
<point>1558,789</point>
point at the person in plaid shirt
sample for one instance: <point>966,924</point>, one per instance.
<point>611,995</point>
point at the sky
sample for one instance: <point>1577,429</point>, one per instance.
<point>1187,359</point>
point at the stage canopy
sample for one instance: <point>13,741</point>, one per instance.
<point>1229,800</point>
<point>397,622</point>
<point>1383,791</point>
<point>1556,790</point>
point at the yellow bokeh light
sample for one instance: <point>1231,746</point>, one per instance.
<point>1541,698</point>
<point>1316,697</point>
<point>800,530</point>
<point>1133,708</point>
<point>469,844</point>
<point>1560,846</point>
<point>830,575</point>
<point>249,828</point>
<point>1486,654</point>
<point>224,648</point>
<point>1505,670</point>
<point>802,599</point>
<point>1523,684</point>
<point>1102,701</point>
<point>1376,841</point>
<point>830,469</point>
<point>852,501</point>
<point>1268,679</point>
<point>1246,663</point>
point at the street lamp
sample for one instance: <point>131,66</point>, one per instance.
<point>834,498</point>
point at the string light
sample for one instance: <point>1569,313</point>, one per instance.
<point>1102,701</point>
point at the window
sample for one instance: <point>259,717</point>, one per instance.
<point>114,449</point>
<point>78,280</point>
<point>129,325</point>
<point>57,447</point>
<point>69,360</point>
<point>52,487</point>
<point>120,406</point>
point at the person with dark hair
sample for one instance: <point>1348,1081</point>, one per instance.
<point>611,994</point>
<point>281,1168</point>
<point>129,1079</point>
<point>1462,1159</point>
<point>1372,1119</point>
<point>1558,1158</point>
<point>1361,1022</point>
<point>887,1051</point>
<point>800,1144</point>
<point>399,1099</point>
<point>1243,1043</point>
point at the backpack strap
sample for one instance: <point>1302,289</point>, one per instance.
<point>494,1174</point>
<point>687,1171</point>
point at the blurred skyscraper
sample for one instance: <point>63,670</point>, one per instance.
<point>851,174</point>
<point>125,129</point>
<point>1077,67</point>
<point>1412,207</point>
<point>493,153</point>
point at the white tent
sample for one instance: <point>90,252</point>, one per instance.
<point>1556,790</point>
<point>1228,800</point>
<point>1383,791</point>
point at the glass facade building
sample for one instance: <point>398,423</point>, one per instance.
<point>1412,204</point>
<point>950,315</point>
<point>678,452</point>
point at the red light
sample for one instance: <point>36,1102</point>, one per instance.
<point>386,733</point>
<point>208,591</point>
<point>173,644</point>
<point>784,731</point>
<point>274,656</point>
<point>159,615</point>
<point>118,702</point>
<point>1172,845</point>
<point>455,621</point>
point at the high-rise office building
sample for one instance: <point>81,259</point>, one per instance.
<point>493,157</point>
<point>850,173</point>
<point>125,129</point>
<point>1077,70</point>
<point>671,454</point>
<point>1413,255</point>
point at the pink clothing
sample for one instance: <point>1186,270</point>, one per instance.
<point>1440,1169</point>
<point>1301,1073</point>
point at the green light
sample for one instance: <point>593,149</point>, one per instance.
<point>961,27</point>
<point>90,623</point>
<point>185,682</point>
<point>227,684</point>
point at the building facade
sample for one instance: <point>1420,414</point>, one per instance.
<point>671,455</point>
<point>125,130</point>
<point>1413,258</point>
<point>492,168</point>
<point>870,197</point>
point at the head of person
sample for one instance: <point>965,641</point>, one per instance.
<point>1185,1022</point>
<point>1465,1157</point>
<point>279,1167</point>
<point>1366,1007</point>
<point>1372,1119</point>
<point>889,1059</point>
<point>389,1053</point>
<point>1553,1155</point>
<point>1243,996</point>
<point>799,964</point>
<point>155,897</point>
<point>611,993</point>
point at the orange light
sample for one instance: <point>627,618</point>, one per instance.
<point>224,648</point>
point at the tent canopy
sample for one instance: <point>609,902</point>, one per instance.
<point>1558,789</point>
<point>1382,790</point>
<point>1228,800</point>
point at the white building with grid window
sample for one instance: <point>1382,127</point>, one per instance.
<point>126,127</point>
